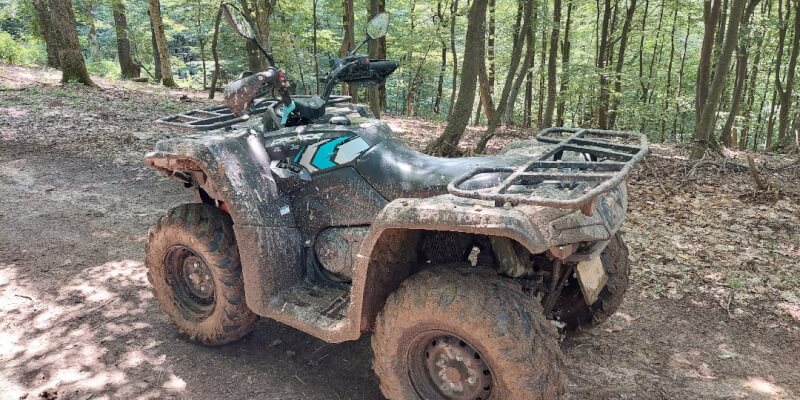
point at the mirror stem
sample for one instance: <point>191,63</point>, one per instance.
<point>266,54</point>
<point>359,46</point>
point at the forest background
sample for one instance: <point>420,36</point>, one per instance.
<point>710,73</point>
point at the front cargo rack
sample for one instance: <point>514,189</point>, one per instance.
<point>551,180</point>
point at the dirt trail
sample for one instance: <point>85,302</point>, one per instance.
<point>714,311</point>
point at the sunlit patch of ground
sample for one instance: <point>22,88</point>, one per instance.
<point>59,340</point>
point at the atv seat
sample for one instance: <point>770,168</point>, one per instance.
<point>397,171</point>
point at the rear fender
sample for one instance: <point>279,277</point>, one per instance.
<point>234,169</point>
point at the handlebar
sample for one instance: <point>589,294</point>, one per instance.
<point>353,70</point>
<point>239,93</point>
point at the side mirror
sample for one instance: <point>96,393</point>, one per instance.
<point>378,26</point>
<point>239,22</point>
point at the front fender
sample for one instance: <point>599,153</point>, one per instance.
<point>388,252</point>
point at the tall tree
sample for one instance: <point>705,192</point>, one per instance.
<point>566,47</point>
<point>623,45</point>
<point>42,11</point>
<point>128,68</point>
<point>785,92</point>
<point>453,15</point>
<point>727,138</point>
<point>552,75</point>
<point>602,62</point>
<point>514,65</point>
<point>94,45</point>
<point>447,143</point>
<point>377,49</point>
<point>215,54</point>
<point>443,67</point>
<point>711,11</point>
<point>704,131</point>
<point>348,39</point>
<point>70,58</point>
<point>156,55</point>
<point>161,42</point>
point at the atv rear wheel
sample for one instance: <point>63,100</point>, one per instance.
<point>193,266</point>
<point>463,333</point>
<point>571,307</point>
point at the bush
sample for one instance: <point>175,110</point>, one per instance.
<point>32,52</point>
<point>9,48</point>
<point>105,68</point>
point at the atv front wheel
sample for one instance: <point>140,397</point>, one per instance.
<point>193,266</point>
<point>571,307</point>
<point>462,334</point>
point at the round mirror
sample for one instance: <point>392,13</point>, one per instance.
<point>238,21</point>
<point>378,26</point>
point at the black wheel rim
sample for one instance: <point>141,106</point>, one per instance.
<point>191,281</point>
<point>445,366</point>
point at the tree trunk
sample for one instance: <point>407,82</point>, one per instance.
<point>161,43</point>
<point>127,67</point>
<point>453,15</point>
<point>565,50</point>
<point>215,54</point>
<point>314,43</point>
<point>447,143</point>
<point>760,119</point>
<point>437,102</point>
<point>602,58</point>
<point>70,58</point>
<point>784,138</point>
<point>711,10</point>
<point>642,82</point>
<point>48,32</point>
<point>673,136</point>
<point>623,45</point>
<point>528,102</point>
<point>552,73</point>
<point>348,39</point>
<point>751,96</point>
<point>156,55</point>
<point>727,138</point>
<point>490,48</point>
<point>705,129</point>
<point>662,126</point>
<point>487,102</point>
<point>542,76</point>
<point>516,52</point>
<point>94,45</point>
<point>377,49</point>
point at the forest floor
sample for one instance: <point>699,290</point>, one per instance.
<point>713,311</point>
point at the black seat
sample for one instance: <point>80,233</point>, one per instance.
<point>397,171</point>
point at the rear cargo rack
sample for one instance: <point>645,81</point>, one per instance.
<point>217,117</point>
<point>211,118</point>
<point>549,180</point>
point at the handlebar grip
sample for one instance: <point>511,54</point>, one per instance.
<point>241,92</point>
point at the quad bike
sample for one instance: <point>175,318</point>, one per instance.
<point>315,216</point>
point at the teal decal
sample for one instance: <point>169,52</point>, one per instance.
<point>323,158</point>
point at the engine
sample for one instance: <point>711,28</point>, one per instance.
<point>337,249</point>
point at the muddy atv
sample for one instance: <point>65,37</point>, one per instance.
<point>315,216</point>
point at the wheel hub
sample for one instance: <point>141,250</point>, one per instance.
<point>198,277</point>
<point>191,281</point>
<point>456,369</point>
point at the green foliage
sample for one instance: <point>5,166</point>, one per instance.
<point>9,49</point>
<point>105,68</point>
